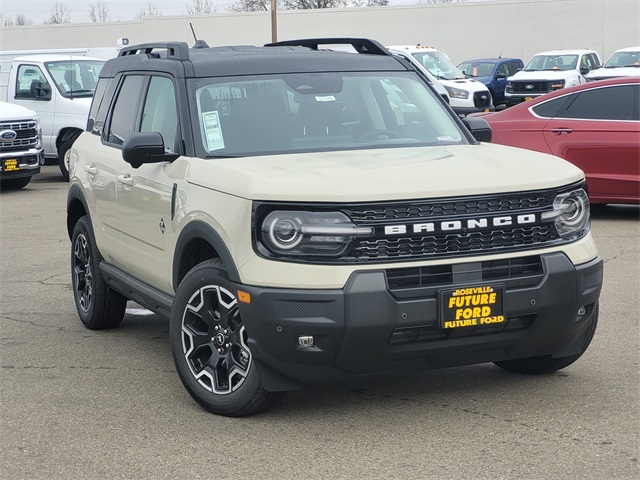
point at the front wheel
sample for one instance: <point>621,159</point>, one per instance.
<point>64,153</point>
<point>209,343</point>
<point>547,363</point>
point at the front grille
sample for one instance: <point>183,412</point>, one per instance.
<point>26,136</point>
<point>482,99</point>
<point>531,87</point>
<point>443,275</point>
<point>438,245</point>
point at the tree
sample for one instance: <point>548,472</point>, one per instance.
<point>21,20</point>
<point>150,11</point>
<point>99,12</point>
<point>251,6</point>
<point>310,4</point>
<point>200,7</point>
<point>5,21</point>
<point>441,1</point>
<point>368,3</point>
<point>59,14</point>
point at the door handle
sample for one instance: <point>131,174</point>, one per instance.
<point>91,170</point>
<point>561,131</point>
<point>125,180</point>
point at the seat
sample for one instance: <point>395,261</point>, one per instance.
<point>70,78</point>
<point>320,116</point>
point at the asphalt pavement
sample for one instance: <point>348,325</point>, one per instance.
<point>81,404</point>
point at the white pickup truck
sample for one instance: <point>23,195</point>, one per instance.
<point>21,153</point>
<point>58,85</point>
<point>550,71</point>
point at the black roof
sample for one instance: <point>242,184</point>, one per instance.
<point>285,57</point>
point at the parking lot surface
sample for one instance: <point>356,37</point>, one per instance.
<point>77,403</point>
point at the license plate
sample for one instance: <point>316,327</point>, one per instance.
<point>526,99</point>
<point>10,165</point>
<point>471,306</point>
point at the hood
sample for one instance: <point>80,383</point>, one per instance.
<point>542,75</point>
<point>383,174</point>
<point>468,84</point>
<point>10,111</point>
<point>613,72</point>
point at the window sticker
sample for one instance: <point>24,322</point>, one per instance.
<point>325,98</point>
<point>212,130</point>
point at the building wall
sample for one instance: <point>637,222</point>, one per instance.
<point>518,28</point>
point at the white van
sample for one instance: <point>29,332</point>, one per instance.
<point>622,63</point>
<point>59,88</point>
<point>465,95</point>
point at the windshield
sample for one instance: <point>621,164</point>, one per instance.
<point>438,65</point>
<point>75,78</point>
<point>552,62</point>
<point>623,59</point>
<point>477,69</point>
<point>253,115</point>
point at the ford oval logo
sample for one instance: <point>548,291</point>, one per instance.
<point>529,87</point>
<point>7,135</point>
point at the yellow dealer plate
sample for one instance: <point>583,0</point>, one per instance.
<point>10,165</point>
<point>471,306</point>
<point>526,99</point>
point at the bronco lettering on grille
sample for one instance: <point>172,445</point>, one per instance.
<point>462,225</point>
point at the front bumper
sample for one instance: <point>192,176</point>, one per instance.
<point>21,164</point>
<point>366,329</point>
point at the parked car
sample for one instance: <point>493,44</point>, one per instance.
<point>493,72</point>
<point>550,71</point>
<point>465,95</point>
<point>622,63</point>
<point>595,126</point>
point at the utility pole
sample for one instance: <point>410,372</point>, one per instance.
<point>274,22</point>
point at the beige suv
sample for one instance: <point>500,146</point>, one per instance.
<point>305,215</point>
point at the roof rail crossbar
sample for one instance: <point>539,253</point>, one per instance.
<point>361,45</point>
<point>176,50</point>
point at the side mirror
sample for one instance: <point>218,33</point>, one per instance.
<point>39,90</point>
<point>479,128</point>
<point>501,75</point>
<point>584,70</point>
<point>145,147</point>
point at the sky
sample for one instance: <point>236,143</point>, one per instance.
<point>40,10</point>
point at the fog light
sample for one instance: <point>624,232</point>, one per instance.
<point>306,341</point>
<point>582,311</point>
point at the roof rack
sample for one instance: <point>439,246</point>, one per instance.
<point>175,50</point>
<point>361,45</point>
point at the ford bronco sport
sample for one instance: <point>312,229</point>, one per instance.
<point>306,215</point>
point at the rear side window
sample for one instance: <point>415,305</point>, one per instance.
<point>125,110</point>
<point>609,103</point>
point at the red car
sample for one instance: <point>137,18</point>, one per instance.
<point>595,126</point>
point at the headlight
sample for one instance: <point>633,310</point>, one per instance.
<point>570,214</point>
<point>38,130</point>
<point>299,233</point>
<point>457,93</point>
<point>557,84</point>
<point>509,87</point>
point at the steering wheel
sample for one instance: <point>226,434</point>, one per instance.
<point>377,133</point>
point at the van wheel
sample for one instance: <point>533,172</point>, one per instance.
<point>63,157</point>
<point>209,344</point>
<point>546,363</point>
<point>98,306</point>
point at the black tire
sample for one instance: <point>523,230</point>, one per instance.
<point>14,183</point>
<point>98,306</point>
<point>63,161</point>
<point>546,363</point>
<point>209,344</point>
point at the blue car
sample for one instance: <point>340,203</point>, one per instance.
<point>493,72</point>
